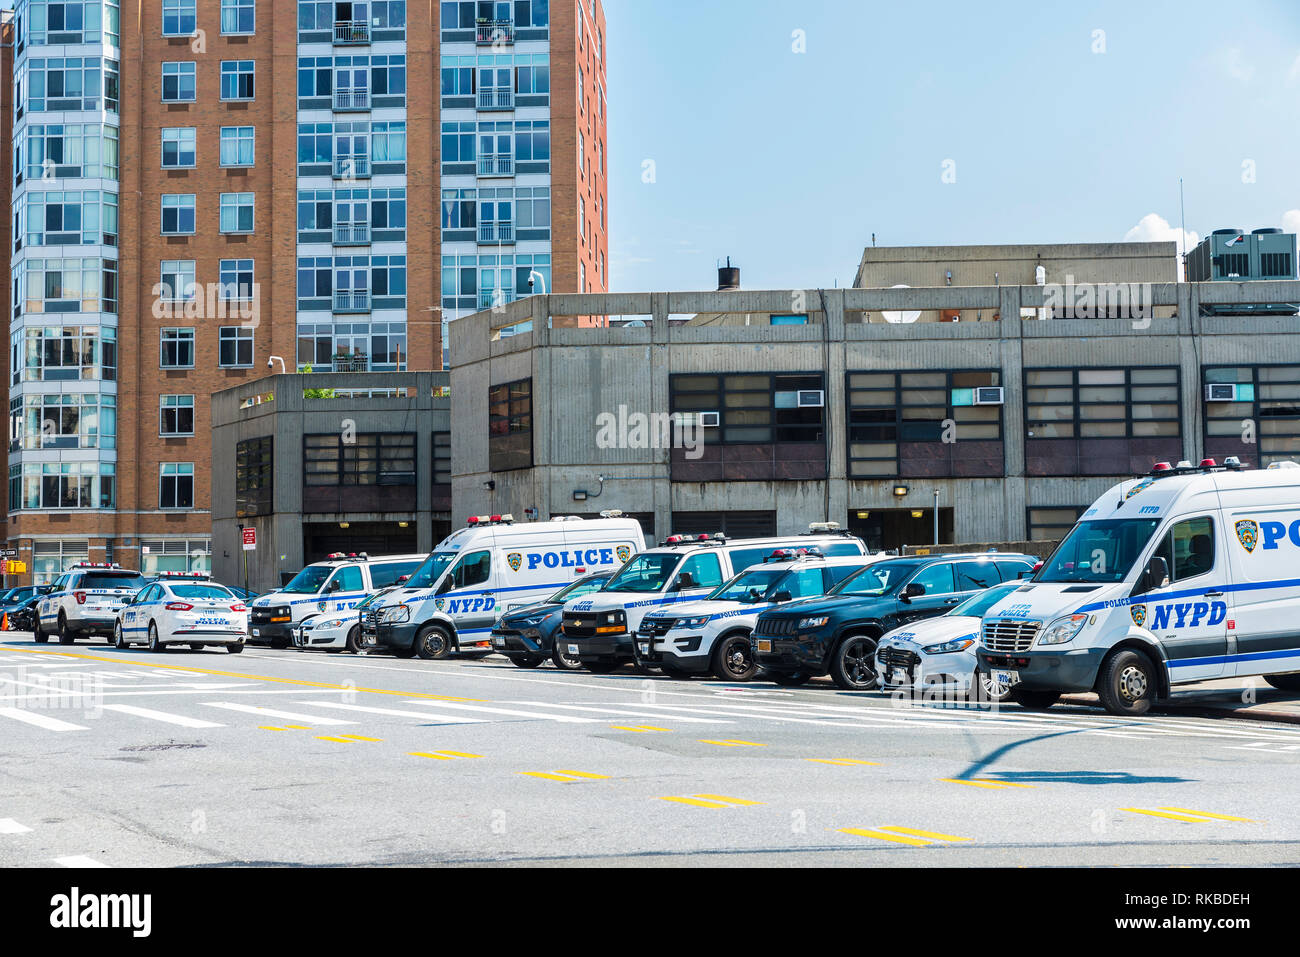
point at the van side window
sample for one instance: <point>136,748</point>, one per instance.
<point>972,576</point>
<point>1188,548</point>
<point>937,579</point>
<point>705,570</point>
<point>805,583</point>
<point>473,569</point>
<point>381,576</point>
<point>349,578</point>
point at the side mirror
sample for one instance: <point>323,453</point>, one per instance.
<point>912,590</point>
<point>447,584</point>
<point>782,596</point>
<point>684,581</point>
<point>336,585</point>
<point>1154,576</point>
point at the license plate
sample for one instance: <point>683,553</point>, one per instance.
<point>499,642</point>
<point>1005,678</point>
<point>257,632</point>
<point>898,676</point>
<point>764,645</point>
<point>645,647</point>
<point>573,649</point>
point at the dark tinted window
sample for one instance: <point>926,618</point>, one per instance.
<point>937,579</point>
<point>1014,571</point>
<point>381,576</point>
<point>113,580</point>
<point>973,575</point>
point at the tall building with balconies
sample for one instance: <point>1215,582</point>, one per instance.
<point>203,189</point>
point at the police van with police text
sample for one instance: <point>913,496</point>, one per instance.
<point>85,600</point>
<point>451,601</point>
<point>1189,574</point>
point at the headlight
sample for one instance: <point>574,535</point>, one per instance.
<point>813,622</point>
<point>948,647</point>
<point>1062,630</point>
<point>336,623</point>
<point>397,613</point>
<point>615,618</point>
<point>697,622</point>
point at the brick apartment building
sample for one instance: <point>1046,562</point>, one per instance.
<point>203,189</point>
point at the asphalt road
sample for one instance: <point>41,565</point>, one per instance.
<point>282,757</point>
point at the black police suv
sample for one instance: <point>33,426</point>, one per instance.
<point>837,633</point>
<point>527,635</point>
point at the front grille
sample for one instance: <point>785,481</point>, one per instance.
<point>1007,635</point>
<point>657,627</point>
<point>898,658</point>
<point>370,618</point>
<point>263,616</point>
<point>579,626</point>
<point>776,627</point>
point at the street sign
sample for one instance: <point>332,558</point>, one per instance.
<point>250,539</point>
<point>8,553</point>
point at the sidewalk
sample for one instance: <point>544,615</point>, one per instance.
<point>1247,698</point>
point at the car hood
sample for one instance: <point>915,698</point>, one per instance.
<point>611,601</point>
<point>1047,601</point>
<point>932,631</point>
<point>830,605</point>
<point>531,611</point>
<point>699,609</point>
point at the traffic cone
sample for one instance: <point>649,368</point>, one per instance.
<point>4,622</point>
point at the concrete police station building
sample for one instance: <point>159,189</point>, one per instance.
<point>757,412</point>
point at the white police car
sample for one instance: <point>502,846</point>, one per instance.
<point>938,654</point>
<point>713,634</point>
<point>84,601</point>
<point>184,611</point>
<point>339,630</point>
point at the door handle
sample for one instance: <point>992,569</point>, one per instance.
<point>951,601</point>
<point>1214,594</point>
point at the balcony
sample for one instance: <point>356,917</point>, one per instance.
<point>496,164</point>
<point>493,32</point>
<point>352,167</point>
<point>351,32</point>
<point>352,300</point>
<point>351,234</point>
<point>351,363</point>
<point>488,298</point>
<point>351,100</point>
<point>496,98</point>
<point>496,232</point>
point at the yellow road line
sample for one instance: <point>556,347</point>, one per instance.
<point>359,737</point>
<point>844,762</point>
<point>251,677</point>
<point>1217,817</point>
<point>1182,814</point>
<point>931,835</point>
<point>583,774</point>
<point>298,727</point>
<point>696,803</point>
<point>984,783</point>
<point>565,777</point>
<point>1172,817</point>
<point>267,727</point>
<point>737,802</point>
<point>336,740</point>
<point>640,728</point>
<point>884,837</point>
<point>443,755</point>
<point>732,743</point>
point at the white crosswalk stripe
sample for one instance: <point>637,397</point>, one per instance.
<point>563,718</point>
<point>9,826</point>
<point>40,720</point>
<point>78,860</point>
<point>163,716</point>
<point>275,713</point>
<point>429,715</point>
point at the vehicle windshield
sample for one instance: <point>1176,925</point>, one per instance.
<point>749,587</point>
<point>113,580</point>
<point>308,581</point>
<point>1099,551</point>
<point>218,592</point>
<point>977,604</point>
<point>875,580</point>
<point>645,573</point>
<point>430,570</point>
<point>583,586</point>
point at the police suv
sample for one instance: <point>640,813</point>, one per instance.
<point>84,601</point>
<point>713,634</point>
<point>599,629</point>
<point>338,584</point>
<point>450,602</point>
<point>1190,573</point>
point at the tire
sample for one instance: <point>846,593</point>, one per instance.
<point>982,690</point>
<point>38,635</point>
<point>354,644</point>
<point>119,639</point>
<point>602,667</point>
<point>852,663</point>
<point>562,659</point>
<point>433,643</point>
<point>154,644</point>
<point>1034,700</point>
<point>1289,682</point>
<point>1127,683</point>
<point>733,659</point>
<point>526,661</point>
<point>235,647</point>
<point>790,680</point>
<point>65,636</point>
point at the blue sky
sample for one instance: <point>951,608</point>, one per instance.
<point>787,162</point>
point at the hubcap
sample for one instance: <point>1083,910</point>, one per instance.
<point>737,660</point>
<point>1133,683</point>
<point>858,655</point>
<point>433,643</point>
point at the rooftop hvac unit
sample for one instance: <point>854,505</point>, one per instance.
<point>811,399</point>
<point>1221,392</point>
<point>990,395</point>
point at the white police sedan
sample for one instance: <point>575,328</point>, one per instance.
<point>196,613</point>
<point>938,654</point>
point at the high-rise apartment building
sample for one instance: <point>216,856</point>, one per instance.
<point>203,189</point>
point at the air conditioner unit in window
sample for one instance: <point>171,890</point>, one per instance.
<point>990,395</point>
<point>811,399</point>
<point>710,420</point>
<point>1221,392</point>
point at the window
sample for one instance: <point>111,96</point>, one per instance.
<point>178,214</point>
<point>315,277</point>
<point>65,285</point>
<point>458,142</point>
<point>63,420</point>
<point>582,158</point>
<point>973,575</point>
<point>388,75</point>
<point>532,74</point>
<point>179,19</point>
<point>532,141</point>
<point>70,218</point>
<point>937,579</point>
<point>176,415</point>
<point>752,409</point>
<point>1256,417</point>
<point>582,221</point>
<point>237,212</point>
<point>236,79</point>
<point>388,276</point>
<point>50,558</point>
<point>176,485</point>
<point>510,426</point>
<point>65,353</point>
<point>1051,523</point>
<point>254,477</point>
<point>442,458</point>
<point>68,150</point>
<point>55,22</point>
<point>234,347</point>
<point>388,142</point>
<point>923,424</point>
<point>179,84</point>
<point>457,75</point>
<point>50,485</point>
<point>64,84</point>
<point>236,277</point>
<point>1188,548</point>
<point>177,348</point>
<point>379,458</point>
<point>474,569</point>
<point>178,147</point>
<point>177,283</point>
<point>533,207</point>
<point>388,208</point>
<point>705,570</point>
<point>237,146</point>
<point>238,16</point>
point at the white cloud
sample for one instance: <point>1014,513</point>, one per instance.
<point>1154,228</point>
<point>1291,221</point>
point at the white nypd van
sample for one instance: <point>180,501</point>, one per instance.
<point>1191,573</point>
<point>451,601</point>
<point>712,635</point>
<point>598,629</point>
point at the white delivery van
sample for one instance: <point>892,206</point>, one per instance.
<point>339,583</point>
<point>598,629</point>
<point>450,602</point>
<point>713,635</point>
<point>1191,573</point>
